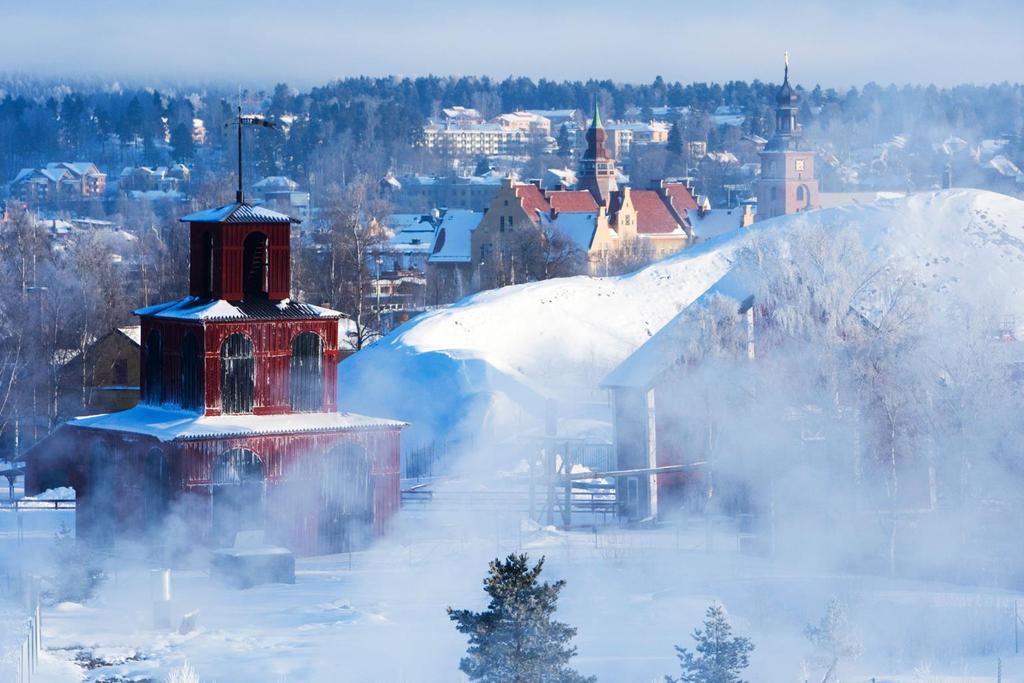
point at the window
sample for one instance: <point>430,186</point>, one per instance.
<point>154,367</point>
<point>191,373</point>
<point>307,372</point>
<point>510,222</point>
<point>255,265</point>
<point>774,193</point>
<point>799,164</point>
<point>502,221</point>
<point>801,193</point>
<point>237,374</point>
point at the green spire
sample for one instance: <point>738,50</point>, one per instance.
<point>597,116</point>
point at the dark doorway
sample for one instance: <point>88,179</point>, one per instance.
<point>346,500</point>
<point>237,494</point>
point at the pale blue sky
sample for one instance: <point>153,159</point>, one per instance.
<point>311,41</point>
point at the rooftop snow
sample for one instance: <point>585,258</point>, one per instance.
<point>167,424</point>
<point>238,213</point>
<point>195,308</point>
<point>454,237</point>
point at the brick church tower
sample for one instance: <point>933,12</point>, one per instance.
<point>787,183</point>
<point>238,427</point>
<point>597,172</point>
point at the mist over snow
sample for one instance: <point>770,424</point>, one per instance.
<point>491,362</point>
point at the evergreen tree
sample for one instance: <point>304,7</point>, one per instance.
<point>515,640</point>
<point>718,657</point>
<point>675,140</point>
<point>181,141</point>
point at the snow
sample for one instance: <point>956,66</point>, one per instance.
<point>168,424</point>
<point>59,493</point>
<point>196,308</point>
<point>453,238</point>
<point>498,359</point>
<point>379,615</point>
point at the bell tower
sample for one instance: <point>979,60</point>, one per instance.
<point>597,170</point>
<point>787,183</point>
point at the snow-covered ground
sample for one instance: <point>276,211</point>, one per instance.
<point>380,615</point>
<point>492,361</point>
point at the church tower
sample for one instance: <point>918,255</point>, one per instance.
<point>597,170</point>
<point>787,183</point>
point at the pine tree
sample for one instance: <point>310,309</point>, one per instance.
<point>675,140</point>
<point>515,640</point>
<point>718,657</point>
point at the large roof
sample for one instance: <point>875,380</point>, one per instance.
<point>169,424</point>
<point>195,308</point>
<point>566,201</point>
<point>237,212</point>
<point>454,237</point>
<point>653,216</point>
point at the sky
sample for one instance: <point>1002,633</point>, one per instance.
<point>261,42</point>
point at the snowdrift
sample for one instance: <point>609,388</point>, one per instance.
<point>503,359</point>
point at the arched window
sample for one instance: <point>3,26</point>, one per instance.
<point>307,372</point>
<point>191,373</point>
<point>801,193</point>
<point>156,487</point>
<point>255,265</point>
<point>346,499</point>
<point>237,374</point>
<point>237,486</point>
<point>154,367</point>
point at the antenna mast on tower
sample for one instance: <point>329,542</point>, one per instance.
<point>247,120</point>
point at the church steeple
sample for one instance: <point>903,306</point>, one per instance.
<point>597,171</point>
<point>786,101</point>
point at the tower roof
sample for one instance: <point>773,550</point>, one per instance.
<point>596,122</point>
<point>786,96</point>
<point>238,212</point>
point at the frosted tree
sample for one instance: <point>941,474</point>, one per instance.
<point>183,674</point>
<point>834,639</point>
<point>718,656</point>
<point>516,639</point>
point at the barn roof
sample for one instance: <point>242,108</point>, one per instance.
<point>169,424</point>
<point>196,308</point>
<point>238,213</point>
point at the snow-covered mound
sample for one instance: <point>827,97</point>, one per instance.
<point>497,359</point>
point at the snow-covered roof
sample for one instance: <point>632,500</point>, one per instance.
<point>276,182</point>
<point>715,222</point>
<point>578,227</point>
<point>169,424</point>
<point>195,308</point>
<point>238,213</point>
<point>453,240</point>
<point>133,332</point>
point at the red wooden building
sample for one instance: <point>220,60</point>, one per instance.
<point>238,426</point>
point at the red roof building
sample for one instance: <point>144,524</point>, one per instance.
<point>238,427</point>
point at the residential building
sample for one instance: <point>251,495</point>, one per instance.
<point>282,194</point>
<point>105,378</point>
<point>59,181</point>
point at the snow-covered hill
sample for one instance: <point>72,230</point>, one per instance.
<point>493,360</point>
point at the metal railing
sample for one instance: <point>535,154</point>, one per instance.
<point>23,504</point>
<point>19,656</point>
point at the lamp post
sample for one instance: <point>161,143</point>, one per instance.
<point>378,260</point>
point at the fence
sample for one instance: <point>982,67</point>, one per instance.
<point>22,504</point>
<point>19,650</point>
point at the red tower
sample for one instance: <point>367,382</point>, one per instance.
<point>597,171</point>
<point>238,428</point>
